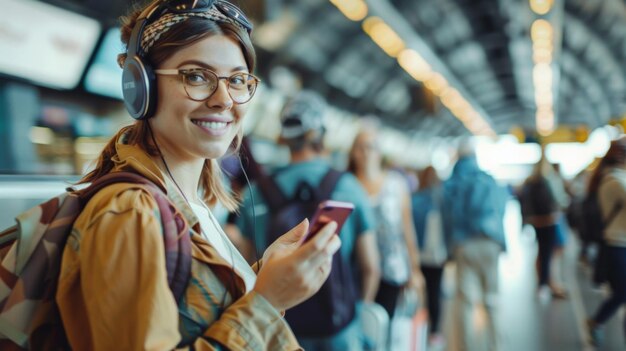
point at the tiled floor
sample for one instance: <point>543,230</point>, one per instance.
<point>527,322</point>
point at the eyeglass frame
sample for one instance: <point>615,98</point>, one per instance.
<point>182,72</point>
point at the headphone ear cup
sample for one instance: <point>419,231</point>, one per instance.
<point>138,88</point>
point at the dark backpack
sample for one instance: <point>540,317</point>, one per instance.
<point>592,222</point>
<point>593,230</point>
<point>332,308</point>
<point>538,198</point>
<point>31,253</point>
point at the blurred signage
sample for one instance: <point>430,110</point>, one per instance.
<point>45,44</point>
<point>104,76</point>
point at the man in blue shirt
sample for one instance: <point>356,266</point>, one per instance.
<point>303,132</point>
<point>473,213</point>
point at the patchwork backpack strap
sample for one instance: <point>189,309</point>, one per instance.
<point>176,237</point>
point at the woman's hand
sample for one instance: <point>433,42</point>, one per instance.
<point>288,242</point>
<point>291,271</point>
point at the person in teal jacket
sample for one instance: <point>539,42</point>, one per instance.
<point>473,216</point>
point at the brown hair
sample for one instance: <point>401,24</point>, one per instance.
<point>368,131</point>
<point>428,178</point>
<point>616,155</point>
<point>179,36</point>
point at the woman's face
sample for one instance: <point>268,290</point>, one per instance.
<point>199,129</point>
<point>365,151</point>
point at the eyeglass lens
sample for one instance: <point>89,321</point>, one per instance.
<point>201,84</point>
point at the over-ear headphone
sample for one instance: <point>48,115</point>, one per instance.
<point>138,79</point>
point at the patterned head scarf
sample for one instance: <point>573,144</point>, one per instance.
<point>154,30</point>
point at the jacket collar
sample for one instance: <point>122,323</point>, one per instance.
<point>132,158</point>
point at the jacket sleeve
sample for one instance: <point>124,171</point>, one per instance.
<point>127,300</point>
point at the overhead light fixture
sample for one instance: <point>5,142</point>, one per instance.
<point>542,35</point>
<point>384,36</point>
<point>355,10</point>
<point>541,7</point>
<point>417,67</point>
<point>436,83</point>
<point>414,65</point>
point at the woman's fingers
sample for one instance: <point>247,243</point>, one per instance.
<point>318,258</point>
<point>318,243</point>
<point>296,233</point>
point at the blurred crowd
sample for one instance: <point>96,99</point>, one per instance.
<point>409,224</point>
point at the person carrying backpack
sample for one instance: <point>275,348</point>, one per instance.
<point>327,321</point>
<point>543,198</point>
<point>472,214</point>
<point>609,182</point>
<point>187,79</point>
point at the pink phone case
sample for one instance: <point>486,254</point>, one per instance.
<point>326,212</point>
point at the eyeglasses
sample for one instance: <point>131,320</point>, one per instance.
<point>226,8</point>
<point>201,83</point>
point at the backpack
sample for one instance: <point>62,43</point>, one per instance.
<point>593,224</point>
<point>538,198</point>
<point>31,254</point>
<point>472,204</point>
<point>332,308</point>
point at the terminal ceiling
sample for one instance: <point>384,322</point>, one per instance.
<point>485,46</point>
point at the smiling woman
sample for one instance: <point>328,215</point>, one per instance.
<point>187,79</point>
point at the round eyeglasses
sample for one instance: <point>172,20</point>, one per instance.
<point>201,83</point>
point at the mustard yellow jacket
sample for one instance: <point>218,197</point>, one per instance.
<point>113,292</point>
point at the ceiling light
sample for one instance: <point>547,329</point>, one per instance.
<point>541,7</point>
<point>414,65</point>
<point>383,35</point>
<point>541,29</point>
<point>436,83</point>
<point>355,10</point>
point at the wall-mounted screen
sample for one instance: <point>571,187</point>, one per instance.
<point>104,76</point>
<point>45,44</point>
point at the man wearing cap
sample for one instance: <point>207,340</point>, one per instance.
<point>302,131</point>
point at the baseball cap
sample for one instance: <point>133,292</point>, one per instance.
<point>302,113</point>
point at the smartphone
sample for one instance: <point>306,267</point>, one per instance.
<point>329,211</point>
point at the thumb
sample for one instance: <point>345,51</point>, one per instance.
<point>296,233</point>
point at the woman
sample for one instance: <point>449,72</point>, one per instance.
<point>543,198</point>
<point>113,291</point>
<point>427,206</point>
<point>390,199</point>
<point>609,180</point>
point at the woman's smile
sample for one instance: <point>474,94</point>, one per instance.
<point>212,127</point>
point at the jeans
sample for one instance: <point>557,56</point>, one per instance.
<point>432,276</point>
<point>617,280</point>
<point>546,239</point>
